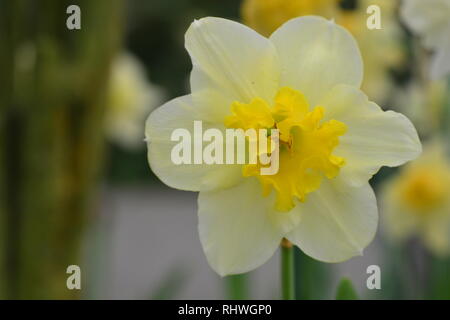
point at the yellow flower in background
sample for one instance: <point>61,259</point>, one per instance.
<point>304,80</point>
<point>130,98</point>
<point>416,202</point>
<point>381,49</point>
<point>431,21</point>
<point>265,16</point>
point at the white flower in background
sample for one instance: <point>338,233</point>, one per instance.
<point>423,104</point>
<point>430,19</point>
<point>416,202</point>
<point>303,80</point>
<point>130,98</point>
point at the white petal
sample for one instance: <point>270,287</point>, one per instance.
<point>375,138</point>
<point>179,113</point>
<point>316,54</point>
<point>235,228</point>
<point>337,222</point>
<point>231,62</point>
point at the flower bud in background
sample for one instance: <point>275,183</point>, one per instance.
<point>131,97</point>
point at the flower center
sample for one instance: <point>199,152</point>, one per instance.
<point>306,144</point>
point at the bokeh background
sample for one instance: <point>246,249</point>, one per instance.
<point>75,186</point>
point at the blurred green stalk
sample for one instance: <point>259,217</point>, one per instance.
<point>52,137</point>
<point>287,271</point>
<point>439,285</point>
<point>446,115</point>
<point>311,277</point>
<point>8,34</point>
<point>237,287</point>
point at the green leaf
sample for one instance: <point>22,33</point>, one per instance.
<point>346,291</point>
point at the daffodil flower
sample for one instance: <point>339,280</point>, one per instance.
<point>431,21</point>
<point>416,202</point>
<point>303,80</point>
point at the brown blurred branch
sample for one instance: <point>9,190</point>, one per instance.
<point>54,140</point>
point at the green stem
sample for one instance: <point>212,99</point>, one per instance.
<point>446,113</point>
<point>287,271</point>
<point>237,287</point>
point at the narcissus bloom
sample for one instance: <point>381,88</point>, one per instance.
<point>304,80</point>
<point>431,21</point>
<point>417,201</point>
<point>130,98</point>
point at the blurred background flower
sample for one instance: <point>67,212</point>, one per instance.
<point>431,21</point>
<point>131,97</point>
<point>423,103</point>
<point>265,16</point>
<point>416,201</point>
